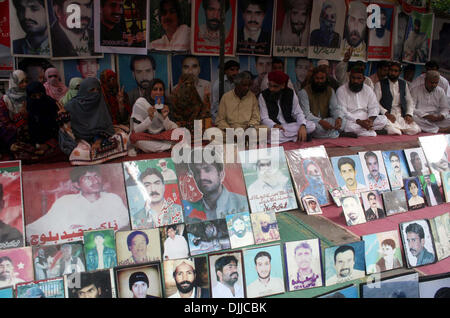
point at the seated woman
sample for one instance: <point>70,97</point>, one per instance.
<point>54,87</point>
<point>91,124</point>
<point>115,98</point>
<point>150,124</point>
<point>187,105</point>
<point>74,86</point>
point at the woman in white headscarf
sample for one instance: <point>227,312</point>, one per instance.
<point>16,96</point>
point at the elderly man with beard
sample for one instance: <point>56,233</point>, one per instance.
<point>432,107</point>
<point>325,35</point>
<point>420,80</point>
<point>240,236</point>
<point>72,41</point>
<point>185,275</point>
<point>280,109</point>
<point>415,236</point>
<point>360,106</point>
<point>265,284</point>
<point>226,268</point>
<point>355,28</point>
<point>231,69</point>
<point>295,28</point>
<point>344,262</point>
<point>304,277</point>
<point>396,103</point>
<point>381,36</point>
<point>143,68</point>
<point>217,200</point>
<point>320,106</point>
<point>315,185</point>
<point>33,20</point>
<point>157,211</point>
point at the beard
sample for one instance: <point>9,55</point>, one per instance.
<point>318,87</point>
<point>380,32</point>
<point>393,78</point>
<point>356,88</point>
<point>185,289</point>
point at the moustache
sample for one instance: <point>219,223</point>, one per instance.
<point>413,251</point>
<point>28,21</point>
<point>214,21</point>
<point>253,22</point>
<point>153,193</point>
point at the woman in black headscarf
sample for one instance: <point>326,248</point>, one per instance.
<point>89,116</point>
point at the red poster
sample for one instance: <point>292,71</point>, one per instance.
<point>380,39</point>
<point>6,61</point>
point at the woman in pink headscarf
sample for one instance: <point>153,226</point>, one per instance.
<point>53,85</point>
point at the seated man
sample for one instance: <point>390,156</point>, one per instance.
<point>381,73</point>
<point>342,69</point>
<point>360,106</point>
<point>231,69</point>
<point>432,108</point>
<point>239,107</point>
<point>443,82</point>
<point>396,102</point>
<point>319,103</point>
<point>277,65</point>
<point>280,109</point>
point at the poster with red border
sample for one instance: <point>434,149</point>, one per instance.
<point>380,39</point>
<point>6,60</point>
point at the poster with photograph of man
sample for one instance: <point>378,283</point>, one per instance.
<point>6,59</point>
<point>71,41</point>
<point>417,45</point>
<point>381,39</point>
<point>86,67</point>
<point>431,190</point>
<point>268,181</point>
<point>240,229</point>
<point>53,261</point>
<point>138,246</point>
<point>418,243</point>
<point>382,252</point>
<point>394,202</point>
<point>265,227</point>
<point>417,162</point>
<point>396,167</point>
<point>152,191</point>
<point>303,264</point>
<point>349,174</point>
<point>98,284</point>
<point>226,275</point>
<point>312,173</point>
<point>437,157</point>
<point>373,205</point>
<point>174,242</point>
<point>440,48</point>
<point>346,292</point>
<point>436,286</point>
<point>206,22</point>
<point>352,209</point>
<point>121,26</point>
<point>254,27</point>
<point>414,194</point>
<point>440,229</point>
<point>401,25</point>
<point>50,288</point>
<point>100,249</point>
<point>208,236</point>
<point>298,69</point>
<point>355,30</point>
<point>327,29</point>
<point>374,171</point>
<point>211,190</point>
<point>16,266</point>
<point>293,18</point>
<point>139,281</point>
<point>404,286</point>
<point>29,30</point>
<point>61,203</point>
<point>336,194</point>
<point>264,274</point>
<point>137,71</point>
<point>344,263</point>
<point>186,278</point>
<point>170,25</point>
<point>11,206</point>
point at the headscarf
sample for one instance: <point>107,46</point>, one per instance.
<point>187,104</point>
<point>42,114</point>
<point>54,87</point>
<point>73,90</point>
<point>89,114</point>
<point>111,97</point>
<point>15,94</point>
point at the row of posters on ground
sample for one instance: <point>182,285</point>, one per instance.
<point>46,271</point>
<point>155,193</point>
<point>320,29</point>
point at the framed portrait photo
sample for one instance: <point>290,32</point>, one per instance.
<point>209,236</point>
<point>373,205</point>
<point>311,205</point>
<point>265,227</point>
<point>349,174</point>
<point>440,229</point>
<point>394,202</point>
<point>353,211</point>
<point>95,284</point>
<point>138,246</point>
<point>240,230</point>
<point>431,190</point>
<point>396,167</point>
<point>229,267</point>
<point>18,266</point>
<point>142,281</point>
<point>404,286</point>
<point>417,162</point>
<point>374,171</point>
<point>382,252</point>
<point>418,243</point>
<point>414,194</point>
<point>100,249</point>
<point>174,242</point>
